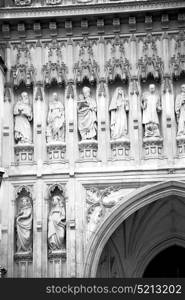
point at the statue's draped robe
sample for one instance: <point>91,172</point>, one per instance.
<point>56,228</point>
<point>23,130</point>
<point>87,119</point>
<point>56,120</point>
<point>180,111</point>
<point>151,102</point>
<point>24,229</point>
<point>118,116</point>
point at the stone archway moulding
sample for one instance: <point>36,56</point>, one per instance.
<point>130,204</point>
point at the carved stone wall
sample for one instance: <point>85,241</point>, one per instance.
<point>75,94</point>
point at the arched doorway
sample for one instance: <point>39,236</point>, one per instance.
<point>148,221</point>
<point>169,263</point>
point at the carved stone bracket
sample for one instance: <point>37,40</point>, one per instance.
<point>153,147</point>
<point>120,149</point>
<point>88,150</point>
<point>56,151</point>
<point>24,153</point>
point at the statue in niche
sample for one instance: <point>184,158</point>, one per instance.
<point>180,111</point>
<point>57,224</point>
<point>151,107</point>
<point>118,108</point>
<point>87,116</point>
<point>24,220</point>
<point>23,117</point>
<point>55,120</point>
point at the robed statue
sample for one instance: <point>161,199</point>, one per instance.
<point>151,107</point>
<point>56,224</point>
<point>87,115</point>
<point>23,117</point>
<point>118,109</point>
<point>55,120</point>
<point>24,220</point>
<point>180,111</point>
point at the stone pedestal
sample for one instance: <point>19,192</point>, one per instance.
<point>120,149</point>
<point>56,152</point>
<point>57,264</point>
<point>23,264</point>
<point>153,147</point>
<point>88,150</point>
<point>24,153</point>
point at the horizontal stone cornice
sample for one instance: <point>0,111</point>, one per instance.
<point>87,10</point>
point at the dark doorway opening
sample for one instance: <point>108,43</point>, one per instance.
<point>169,263</point>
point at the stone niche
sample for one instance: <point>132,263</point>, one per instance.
<point>87,121</point>
<point>23,238</point>
<point>56,234</point>
<point>55,123</point>
<point>152,133</point>
<point>119,119</point>
<point>23,125</point>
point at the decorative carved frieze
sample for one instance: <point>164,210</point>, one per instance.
<point>150,64</point>
<point>86,67</point>
<point>118,65</point>
<point>55,69</point>
<point>23,71</point>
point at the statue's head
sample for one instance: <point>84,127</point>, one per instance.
<point>55,97</point>
<point>120,91</point>
<point>152,88</point>
<point>56,199</point>
<point>25,97</point>
<point>183,88</point>
<point>25,201</point>
<point>86,91</point>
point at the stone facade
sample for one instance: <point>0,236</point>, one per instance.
<point>92,111</point>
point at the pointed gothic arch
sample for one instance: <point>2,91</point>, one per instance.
<point>130,204</point>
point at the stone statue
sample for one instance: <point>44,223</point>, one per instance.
<point>24,221</point>
<point>180,111</point>
<point>151,106</point>
<point>55,120</point>
<point>56,224</point>
<point>23,117</point>
<point>87,116</point>
<point>118,108</point>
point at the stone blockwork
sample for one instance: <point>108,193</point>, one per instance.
<point>92,108</point>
